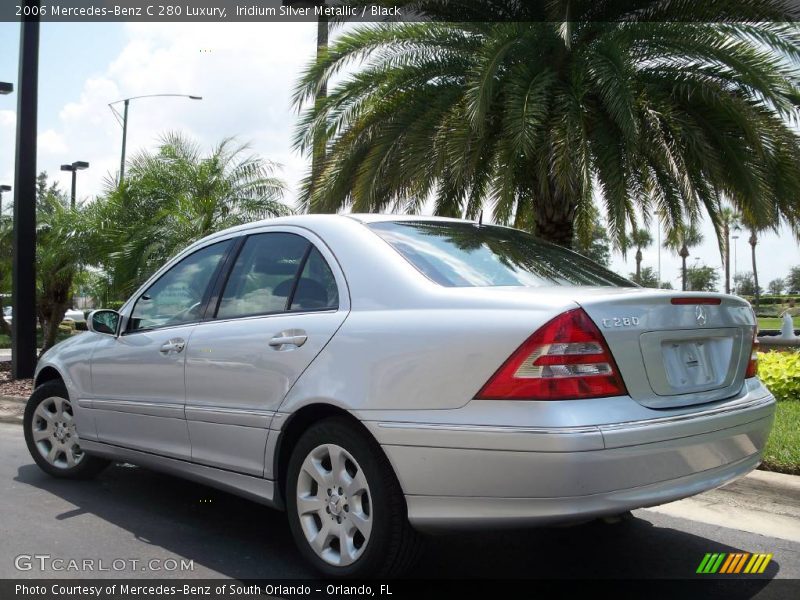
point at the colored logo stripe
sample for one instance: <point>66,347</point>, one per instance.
<point>758,563</point>
<point>734,563</point>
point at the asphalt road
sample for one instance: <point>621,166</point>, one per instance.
<point>131,513</point>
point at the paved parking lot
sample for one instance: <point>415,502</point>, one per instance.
<point>130,513</point>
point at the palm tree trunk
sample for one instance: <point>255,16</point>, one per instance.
<point>638,265</point>
<point>727,259</point>
<point>753,242</point>
<point>50,326</point>
<point>318,152</point>
<point>684,254</point>
<point>683,274</point>
<point>555,218</point>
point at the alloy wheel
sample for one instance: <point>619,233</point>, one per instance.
<point>334,505</point>
<point>54,433</point>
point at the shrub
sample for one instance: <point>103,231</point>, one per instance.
<point>114,304</point>
<point>780,372</point>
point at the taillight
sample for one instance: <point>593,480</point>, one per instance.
<point>696,300</point>
<point>752,364</point>
<point>565,359</point>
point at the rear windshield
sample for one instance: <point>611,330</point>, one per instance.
<point>468,255</point>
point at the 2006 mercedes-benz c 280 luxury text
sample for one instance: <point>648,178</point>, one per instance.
<point>376,376</point>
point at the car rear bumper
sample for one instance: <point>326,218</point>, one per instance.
<point>458,476</point>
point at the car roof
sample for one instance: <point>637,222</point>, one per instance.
<point>309,220</point>
<point>380,217</point>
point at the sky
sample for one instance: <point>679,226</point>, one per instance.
<point>245,73</point>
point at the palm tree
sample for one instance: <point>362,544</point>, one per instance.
<point>634,101</point>
<point>640,238</point>
<point>173,197</point>
<point>756,222</point>
<point>61,244</point>
<point>730,220</point>
<point>680,240</point>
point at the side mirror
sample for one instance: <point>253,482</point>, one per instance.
<point>103,321</point>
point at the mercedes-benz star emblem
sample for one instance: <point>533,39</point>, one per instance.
<point>700,315</point>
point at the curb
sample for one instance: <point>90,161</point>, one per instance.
<point>17,399</point>
<point>11,409</point>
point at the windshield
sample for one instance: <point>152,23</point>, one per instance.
<point>469,255</point>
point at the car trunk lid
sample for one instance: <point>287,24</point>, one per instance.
<point>675,348</point>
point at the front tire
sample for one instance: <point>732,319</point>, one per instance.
<point>51,435</point>
<point>346,510</point>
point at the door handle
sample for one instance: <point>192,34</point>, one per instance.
<point>292,337</point>
<point>175,345</point>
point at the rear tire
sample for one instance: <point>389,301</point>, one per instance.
<point>346,510</point>
<point>51,436</point>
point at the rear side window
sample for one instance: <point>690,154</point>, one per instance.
<point>468,255</point>
<point>275,273</point>
<point>316,288</point>
<point>264,274</point>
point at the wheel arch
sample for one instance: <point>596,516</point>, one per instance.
<point>297,423</point>
<point>48,373</point>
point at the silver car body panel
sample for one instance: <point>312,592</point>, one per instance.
<point>406,357</point>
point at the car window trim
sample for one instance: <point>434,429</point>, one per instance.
<point>298,276</point>
<point>206,293</point>
<point>221,280</point>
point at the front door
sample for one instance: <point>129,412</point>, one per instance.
<point>138,389</point>
<point>278,309</point>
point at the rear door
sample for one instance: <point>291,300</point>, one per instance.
<point>675,349</point>
<point>281,303</point>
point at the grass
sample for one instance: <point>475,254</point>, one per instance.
<point>782,453</point>
<point>5,341</point>
<point>775,322</point>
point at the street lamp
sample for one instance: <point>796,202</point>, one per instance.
<point>3,188</point>
<point>5,89</point>
<point>123,120</point>
<point>23,257</point>
<point>78,165</point>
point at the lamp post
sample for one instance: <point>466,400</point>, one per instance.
<point>5,89</point>
<point>78,165</point>
<point>3,188</point>
<point>23,342</point>
<point>123,120</point>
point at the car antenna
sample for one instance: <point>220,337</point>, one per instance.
<point>480,218</point>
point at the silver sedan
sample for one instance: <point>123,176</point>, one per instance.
<point>379,376</point>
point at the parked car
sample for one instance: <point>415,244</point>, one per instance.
<point>72,314</point>
<point>75,315</point>
<point>378,376</point>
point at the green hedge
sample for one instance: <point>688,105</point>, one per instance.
<point>768,300</point>
<point>780,372</point>
<point>114,304</point>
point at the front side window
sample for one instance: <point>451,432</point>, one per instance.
<point>469,255</point>
<point>178,295</point>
